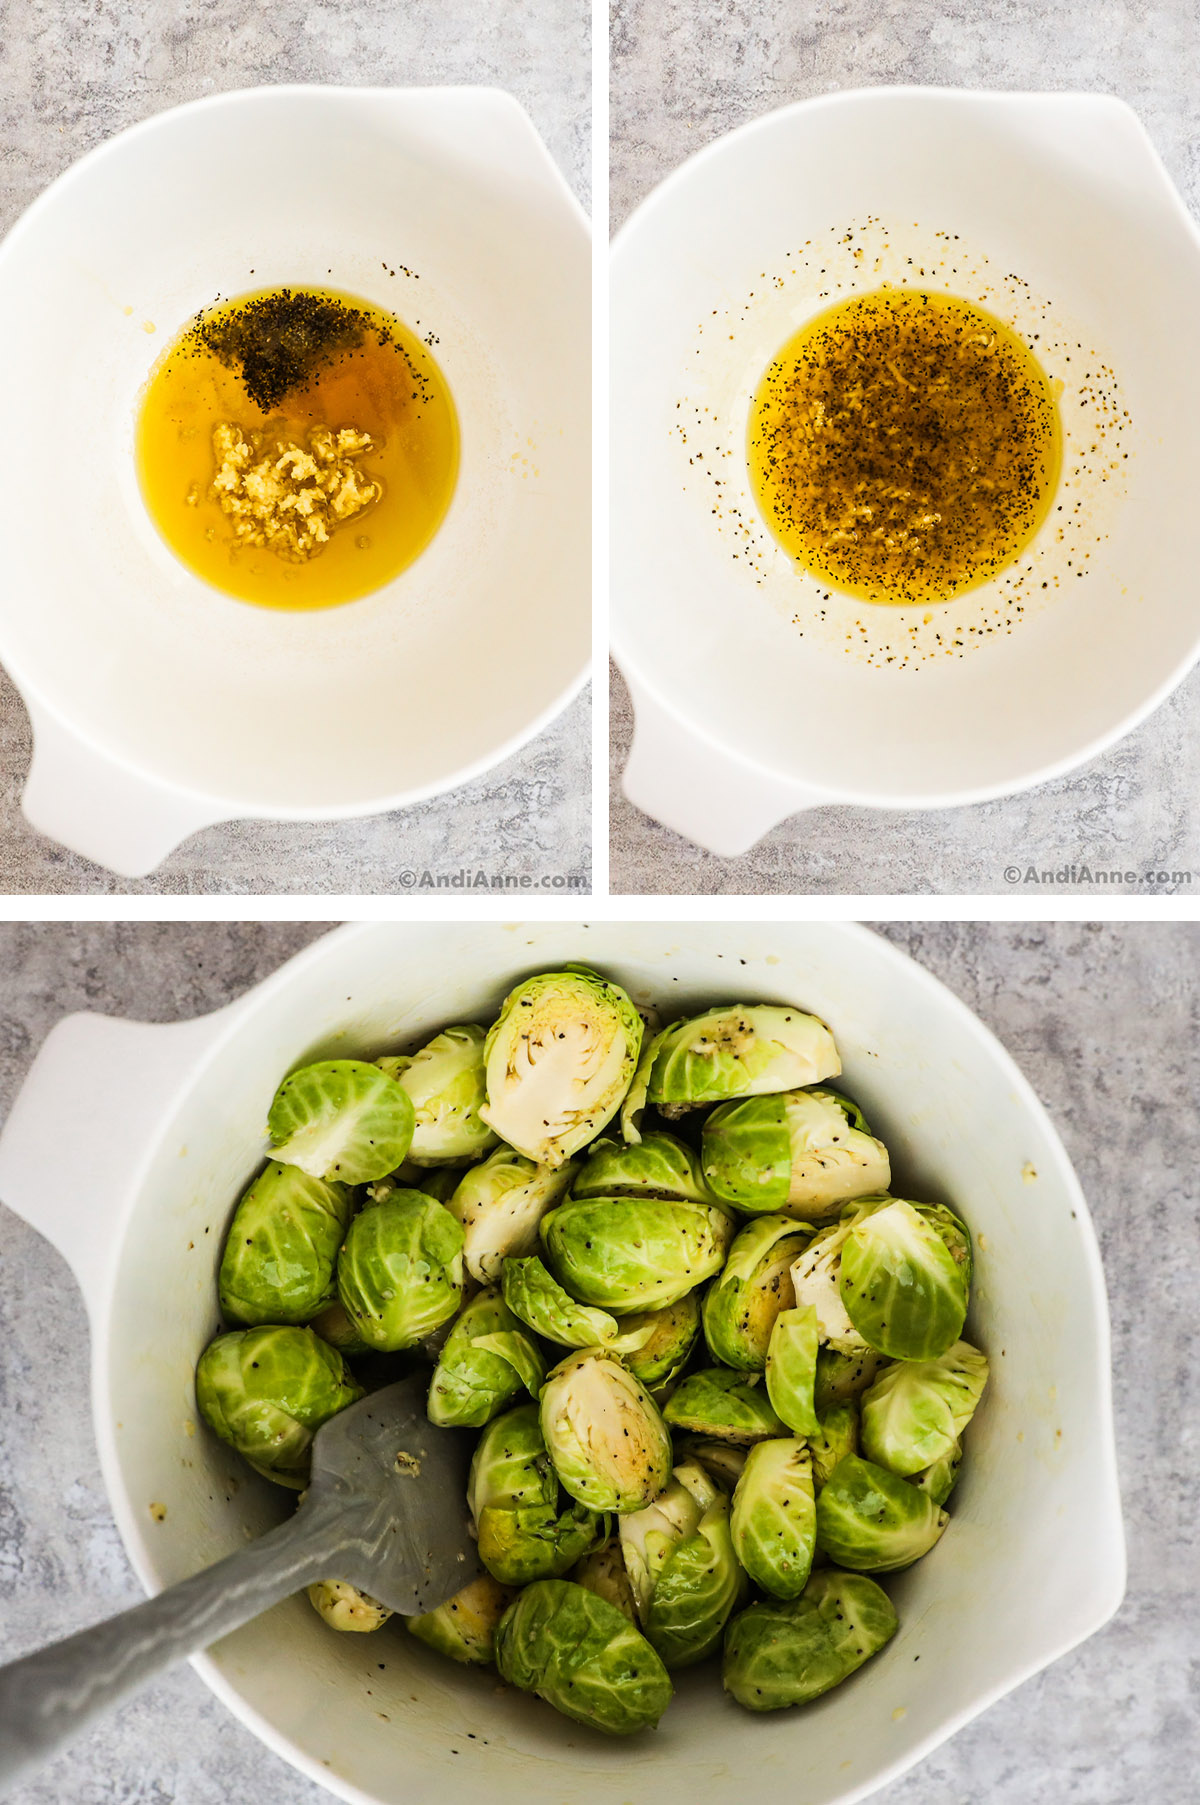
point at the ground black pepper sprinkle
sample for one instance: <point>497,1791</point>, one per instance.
<point>278,341</point>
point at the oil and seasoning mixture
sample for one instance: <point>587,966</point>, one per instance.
<point>904,446</point>
<point>297,448</point>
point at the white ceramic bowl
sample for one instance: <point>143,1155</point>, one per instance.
<point>160,705</point>
<point>133,1178</point>
<point>1059,216</point>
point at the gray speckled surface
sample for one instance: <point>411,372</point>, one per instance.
<point>683,73</point>
<point>71,76</point>
<point>1104,1021</point>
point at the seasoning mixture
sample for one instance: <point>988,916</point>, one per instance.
<point>904,446</point>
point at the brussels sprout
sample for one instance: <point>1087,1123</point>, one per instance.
<point>560,1057</point>
<point>872,1521</point>
<point>841,1377</point>
<point>649,1535</point>
<point>334,1326</point>
<point>440,1182</point>
<point>725,1405</point>
<point>583,1656</point>
<point>445,1082</point>
<point>344,1607</point>
<point>513,1497</point>
<point>658,1166</point>
<point>786,1654</point>
<point>836,1436</point>
<point>940,1479</point>
<point>540,1301</point>
<point>400,1270</point>
<point>688,1576</point>
<point>916,1410</point>
<point>741,1305</point>
<point>723,1461</point>
<point>816,1280</point>
<point>792,1368</point>
<point>465,1626</point>
<point>657,1344</point>
<point>604,1433</point>
<point>774,1518</point>
<point>634,1253</point>
<point>341,1120</point>
<point>500,1205</point>
<point>634,1106</point>
<point>739,1051</point>
<point>603,1572</point>
<point>277,1265</point>
<point>488,1358</point>
<point>266,1391</point>
<point>905,1278</point>
<point>805,1151</point>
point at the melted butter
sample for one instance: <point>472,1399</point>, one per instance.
<point>904,446</point>
<point>387,385</point>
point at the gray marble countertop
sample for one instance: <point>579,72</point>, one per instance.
<point>1103,1020</point>
<point>74,75</point>
<point>683,73</point>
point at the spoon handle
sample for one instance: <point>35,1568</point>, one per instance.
<point>46,1698</point>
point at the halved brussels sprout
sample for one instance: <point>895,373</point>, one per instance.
<point>445,1082</point>
<point>916,1410</point>
<point>804,1151</point>
<point>634,1106</point>
<point>741,1305</point>
<point>723,1461</point>
<point>334,1326</point>
<point>464,1628</point>
<point>533,1294</point>
<point>659,1165</point>
<point>841,1377</point>
<point>940,1479</point>
<point>792,1368</point>
<point>905,1278</point>
<point>277,1265</point>
<point>344,1607</point>
<point>634,1253</point>
<point>604,1433</point>
<point>583,1656</point>
<point>725,1405</point>
<point>513,1496</point>
<point>400,1270</point>
<point>342,1120</point>
<point>603,1572</point>
<point>739,1051</point>
<point>649,1536</point>
<point>872,1521</point>
<point>774,1519</point>
<point>487,1359</point>
<point>697,1583</point>
<point>836,1436</point>
<point>500,1205</point>
<point>816,1280</point>
<point>560,1058</point>
<point>786,1654</point>
<point>266,1391</point>
<point>657,1344</point>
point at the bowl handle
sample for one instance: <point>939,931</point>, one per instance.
<point>89,803</point>
<point>111,1083</point>
<point>722,802</point>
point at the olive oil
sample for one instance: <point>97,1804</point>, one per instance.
<point>904,446</point>
<point>278,364</point>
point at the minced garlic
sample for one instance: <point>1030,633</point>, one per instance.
<point>285,497</point>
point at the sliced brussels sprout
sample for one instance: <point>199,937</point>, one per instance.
<point>634,1253</point>
<point>836,1436</point>
<point>723,1461</point>
<point>487,1360</point>
<point>513,1496</point>
<point>634,1106</point>
<point>533,1294</point>
<point>649,1535</point>
<point>872,1521</point>
<point>940,1479</point>
<point>445,1082</point>
<point>774,1518</point>
<point>604,1433</point>
<point>698,1585</point>
<point>725,1405</point>
<point>905,1278</point>
<point>342,1120</point>
<point>786,1654</point>
<point>739,1051</point>
<point>266,1391</point>
<point>334,1326</point>
<point>400,1270</point>
<point>583,1656</point>
<point>658,1165</point>
<point>916,1410</point>
<point>560,1058</point>
<point>803,1151</point>
<point>841,1377</point>
<point>344,1607</point>
<point>277,1264</point>
<point>816,1279</point>
<point>500,1205</point>
<point>741,1305</point>
<point>603,1572</point>
<point>657,1344</point>
<point>464,1628</point>
<point>792,1368</point>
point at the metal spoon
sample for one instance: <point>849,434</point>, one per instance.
<point>385,1510</point>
